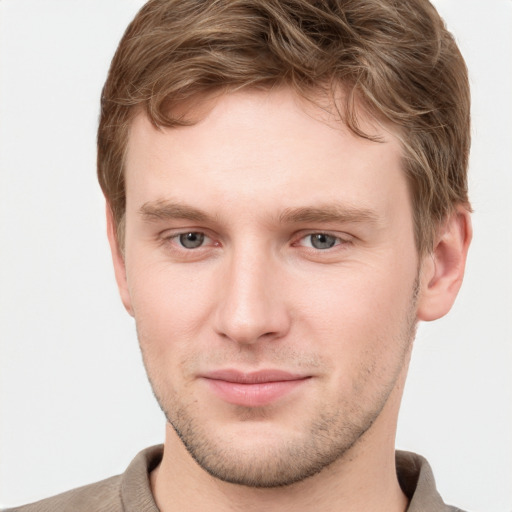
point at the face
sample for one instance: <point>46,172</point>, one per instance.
<point>271,268</point>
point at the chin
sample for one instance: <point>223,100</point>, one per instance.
<point>258,453</point>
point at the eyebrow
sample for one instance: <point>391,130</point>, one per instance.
<point>168,210</point>
<point>335,213</point>
<point>328,213</point>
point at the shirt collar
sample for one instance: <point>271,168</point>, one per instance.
<point>414,475</point>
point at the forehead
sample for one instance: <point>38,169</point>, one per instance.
<point>257,144</point>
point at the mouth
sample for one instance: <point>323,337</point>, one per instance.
<point>255,389</point>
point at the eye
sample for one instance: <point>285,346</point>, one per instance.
<point>191,240</point>
<point>320,241</point>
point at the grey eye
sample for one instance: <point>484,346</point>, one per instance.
<point>322,241</point>
<point>191,240</point>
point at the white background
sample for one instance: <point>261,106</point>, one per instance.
<point>75,405</point>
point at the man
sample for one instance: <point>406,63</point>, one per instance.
<point>286,198</point>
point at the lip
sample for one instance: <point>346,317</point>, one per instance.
<point>254,389</point>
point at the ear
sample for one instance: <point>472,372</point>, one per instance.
<point>118,261</point>
<point>442,270</point>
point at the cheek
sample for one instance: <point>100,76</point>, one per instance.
<point>170,315</point>
<point>362,320</point>
<point>170,306</point>
<point>356,298</point>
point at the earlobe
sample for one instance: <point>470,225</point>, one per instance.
<point>442,271</point>
<point>118,261</point>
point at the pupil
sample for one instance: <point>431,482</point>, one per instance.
<point>191,240</point>
<point>322,241</point>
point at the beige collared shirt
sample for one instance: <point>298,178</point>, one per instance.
<point>131,491</point>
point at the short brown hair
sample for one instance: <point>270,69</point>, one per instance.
<point>396,56</point>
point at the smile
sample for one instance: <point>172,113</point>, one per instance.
<point>253,389</point>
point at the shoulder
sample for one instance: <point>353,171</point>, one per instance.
<point>131,491</point>
<point>418,484</point>
<point>104,495</point>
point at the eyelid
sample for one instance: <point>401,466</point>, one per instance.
<point>342,238</point>
<point>172,237</point>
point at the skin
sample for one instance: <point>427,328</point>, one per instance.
<point>258,175</point>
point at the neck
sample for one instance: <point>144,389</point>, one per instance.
<point>356,488</point>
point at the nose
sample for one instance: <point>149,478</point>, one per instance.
<point>251,303</point>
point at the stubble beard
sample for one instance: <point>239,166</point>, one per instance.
<point>328,438</point>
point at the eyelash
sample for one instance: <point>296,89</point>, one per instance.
<point>338,241</point>
<point>173,241</point>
